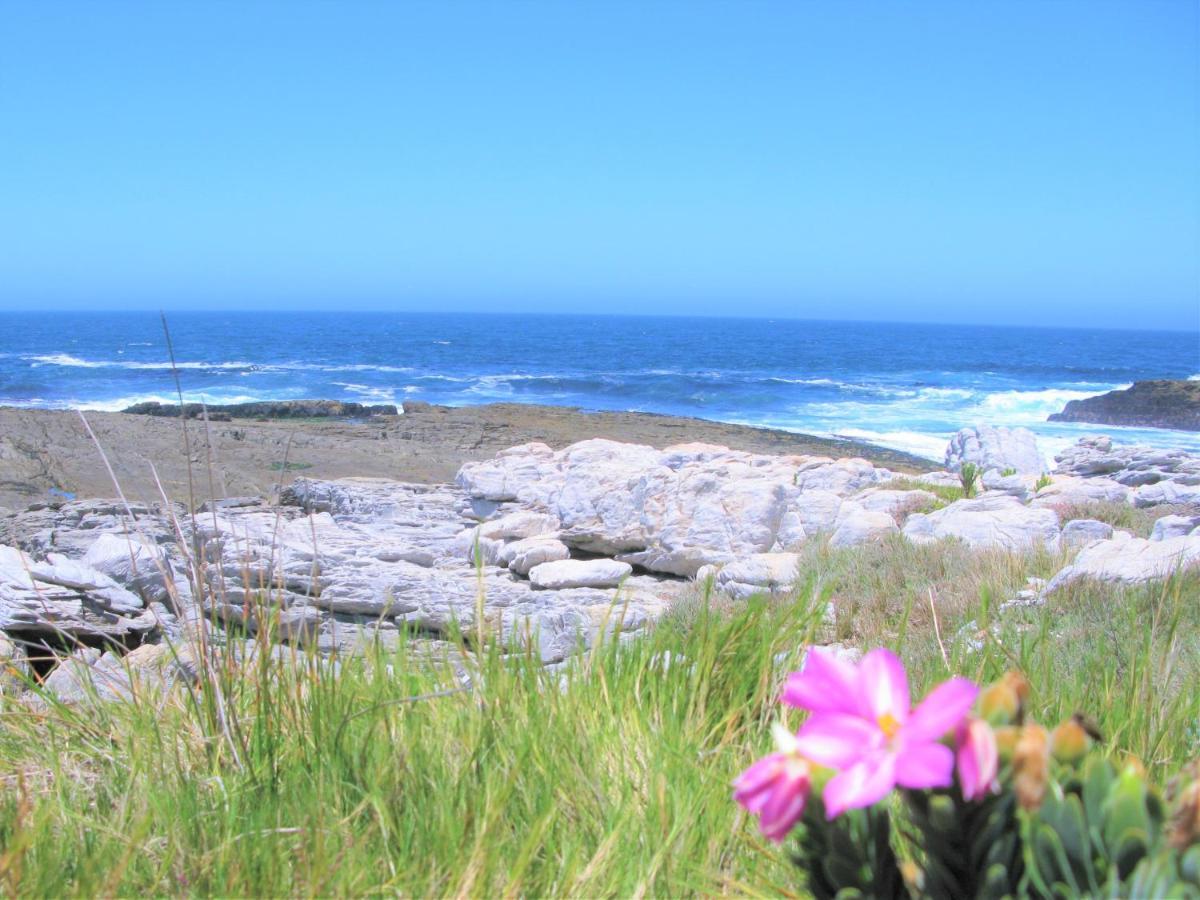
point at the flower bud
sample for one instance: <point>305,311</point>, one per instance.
<point>1006,740</point>
<point>776,788</point>
<point>976,758</point>
<point>1003,701</point>
<point>1070,741</point>
<point>1031,766</point>
<point>1183,792</point>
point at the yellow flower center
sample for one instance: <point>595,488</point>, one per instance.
<point>888,725</point>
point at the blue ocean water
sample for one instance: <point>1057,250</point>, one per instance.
<point>904,386</point>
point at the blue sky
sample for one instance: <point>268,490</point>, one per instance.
<point>970,162</point>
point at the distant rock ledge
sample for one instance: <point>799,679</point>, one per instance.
<point>1147,404</point>
<point>268,409</point>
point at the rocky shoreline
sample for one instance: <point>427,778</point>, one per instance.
<point>553,546</point>
<point>47,455</point>
<point>1145,404</point>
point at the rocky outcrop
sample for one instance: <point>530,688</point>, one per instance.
<point>1132,466</point>
<point>534,545</point>
<point>266,409</point>
<point>1145,404</point>
<point>60,600</point>
<point>989,447</point>
<point>994,521</point>
<point>674,510</point>
<point>1080,532</point>
<point>1130,560</point>
<point>759,573</point>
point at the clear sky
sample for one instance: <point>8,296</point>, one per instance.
<point>1028,162</point>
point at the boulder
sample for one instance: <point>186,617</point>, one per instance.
<point>759,573</point>
<point>993,521</point>
<point>1079,532</point>
<point>1166,492</point>
<point>1174,526</point>
<point>990,447</point>
<point>1130,560</point>
<point>857,525</point>
<point>128,561</point>
<point>579,573</point>
<point>1066,491</point>
<point>896,504</point>
<point>521,556</point>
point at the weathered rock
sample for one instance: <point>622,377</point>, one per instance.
<point>125,559</point>
<point>1130,560</point>
<point>1166,492</point>
<point>1133,466</point>
<point>1079,532</point>
<point>857,525</point>
<point>996,448</point>
<point>579,573</point>
<point>1019,486</point>
<point>1066,491</point>
<point>993,521</point>
<point>521,556</point>
<point>57,597</point>
<point>1173,527</point>
<point>759,573</point>
<point>896,504</point>
<point>674,510</point>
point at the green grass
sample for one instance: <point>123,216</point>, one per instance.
<point>607,776</point>
<point>946,494</point>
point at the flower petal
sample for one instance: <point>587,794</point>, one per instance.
<point>827,683</point>
<point>786,804</point>
<point>752,789</point>
<point>977,759</point>
<point>925,766</point>
<point>838,740</point>
<point>884,685</point>
<point>941,711</point>
<point>861,785</point>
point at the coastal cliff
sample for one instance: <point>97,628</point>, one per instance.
<point>1147,404</point>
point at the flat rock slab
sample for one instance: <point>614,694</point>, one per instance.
<point>1130,560</point>
<point>996,521</point>
<point>579,573</point>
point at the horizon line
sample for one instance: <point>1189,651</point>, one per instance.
<point>252,310</point>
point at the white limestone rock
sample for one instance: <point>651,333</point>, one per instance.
<point>992,521</point>
<point>1166,492</point>
<point>895,503</point>
<point>857,525</point>
<point>521,556</point>
<point>1080,532</point>
<point>675,510</point>
<point>127,560</point>
<point>1174,526</point>
<point>1066,491</point>
<point>759,573</point>
<point>1130,560</point>
<point>990,447</point>
<point>579,573</point>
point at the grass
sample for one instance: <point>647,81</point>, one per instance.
<point>487,774</point>
<point>1138,521</point>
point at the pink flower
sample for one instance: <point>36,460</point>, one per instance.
<point>776,787</point>
<point>978,761</point>
<point>862,725</point>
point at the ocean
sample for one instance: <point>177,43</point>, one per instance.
<point>906,386</point>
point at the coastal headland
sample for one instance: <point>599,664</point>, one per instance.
<point>45,453</point>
